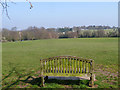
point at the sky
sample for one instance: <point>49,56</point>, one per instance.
<point>60,14</point>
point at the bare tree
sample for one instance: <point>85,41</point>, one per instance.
<point>87,33</point>
<point>4,4</point>
<point>101,33</point>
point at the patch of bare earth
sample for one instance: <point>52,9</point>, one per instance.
<point>109,72</point>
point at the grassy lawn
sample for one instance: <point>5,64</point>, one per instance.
<point>20,61</point>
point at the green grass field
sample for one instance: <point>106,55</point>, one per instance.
<point>21,60</point>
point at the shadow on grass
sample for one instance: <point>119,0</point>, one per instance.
<point>9,74</point>
<point>15,82</point>
<point>31,80</point>
<point>37,81</point>
<point>17,73</point>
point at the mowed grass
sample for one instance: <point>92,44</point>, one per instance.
<point>20,58</point>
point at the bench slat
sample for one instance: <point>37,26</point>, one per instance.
<point>66,62</point>
<point>86,67</point>
<point>89,67</point>
<point>72,64</point>
<point>83,66</point>
<point>60,65</point>
<point>80,66</point>
<point>77,66</point>
<point>69,63</point>
<point>47,66</point>
<point>63,65</point>
<point>53,66</point>
<point>50,65</point>
<point>44,66</point>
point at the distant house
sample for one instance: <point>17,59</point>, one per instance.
<point>82,29</point>
<point>3,39</point>
<point>63,32</point>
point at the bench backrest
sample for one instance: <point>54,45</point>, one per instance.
<point>66,64</point>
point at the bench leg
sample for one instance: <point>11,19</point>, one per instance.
<point>91,82</point>
<point>42,81</point>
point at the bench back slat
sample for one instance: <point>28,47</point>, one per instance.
<point>86,67</point>
<point>66,64</point>
<point>80,66</point>
<point>83,66</point>
<point>44,67</point>
<point>55,64</point>
<point>52,67</point>
<point>75,65</point>
<point>60,65</point>
<point>69,64</point>
<point>72,63</point>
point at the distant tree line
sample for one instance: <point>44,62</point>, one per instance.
<point>31,33</point>
<point>91,27</point>
<point>35,33</point>
<point>89,34</point>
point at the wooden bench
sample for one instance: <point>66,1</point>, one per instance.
<point>67,66</point>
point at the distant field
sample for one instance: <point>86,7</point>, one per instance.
<point>23,57</point>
